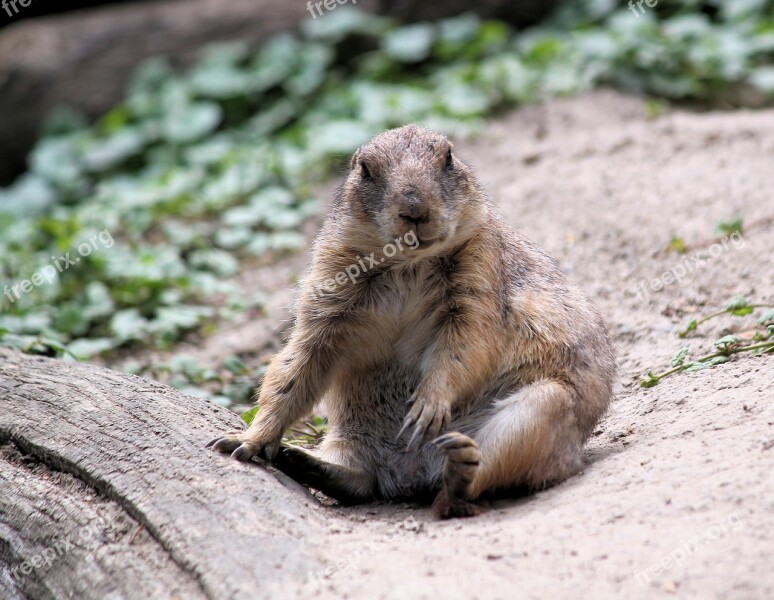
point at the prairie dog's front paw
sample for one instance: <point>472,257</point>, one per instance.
<point>428,417</point>
<point>244,445</point>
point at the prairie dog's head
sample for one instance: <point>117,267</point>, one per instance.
<point>408,183</point>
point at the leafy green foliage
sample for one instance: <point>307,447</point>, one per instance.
<point>728,228</point>
<point>738,306</point>
<point>249,415</point>
<point>762,341</point>
<point>677,244</point>
<point>194,173</point>
<point>231,383</point>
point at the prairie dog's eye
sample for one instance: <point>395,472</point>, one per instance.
<point>364,172</point>
<point>449,160</point>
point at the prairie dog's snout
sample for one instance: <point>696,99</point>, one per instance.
<point>412,210</point>
<point>417,210</point>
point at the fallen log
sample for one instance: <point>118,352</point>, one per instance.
<point>106,491</point>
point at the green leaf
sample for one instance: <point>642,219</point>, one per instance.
<point>739,306</point>
<point>649,380</point>
<point>677,244</point>
<point>679,358</point>
<point>342,23</point>
<point>653,110</point>
<point>763,79</point>
<point>84,349</point>
<point>249,415</point>
<point>274,117</point>
<point>128,325</point>
<point>115,120</point>
<point>29,196</point>
<point>700,366</point>
<point>57,160</point>
<point>692,325</point>
<point>170,320</point>
<point>737,302</point>
<point>220,82</point>
<point>338,137</point>
<point>240,391</point>
<point>766,317</point>
<point>728,228</point>
<point>286,240</point>
<point>235,365</point>
<point>283,219</point>
<point>218,261</point>
<point>542,50</point>
<point>727,342</point>
<point>189,122</point>
<point>411,43</point>
<point>233,237</point>
<point>70,318</point>
<point>275,62</point>
<point>185,364</point>
<point>312,72</point>
<point>114,150</point>
<point>99,303</point>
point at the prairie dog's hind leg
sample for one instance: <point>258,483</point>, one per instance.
<point>459,471</point>
<point>531,439</point>
<point>344,484</point>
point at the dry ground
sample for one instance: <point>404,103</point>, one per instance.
<point>676,499</point>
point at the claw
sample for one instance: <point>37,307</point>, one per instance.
<point>444,440</point>
<point>243,453</point>
<point>450,441</point>
<point>225,443</point>
<point>416,439</point>
<point>408,422</point>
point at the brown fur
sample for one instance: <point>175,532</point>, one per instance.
<point>474,332</point>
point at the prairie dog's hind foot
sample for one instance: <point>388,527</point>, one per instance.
<point>462,461</point>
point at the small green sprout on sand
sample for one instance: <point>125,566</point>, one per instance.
<point>725,347</point>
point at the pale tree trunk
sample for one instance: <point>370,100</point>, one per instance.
<point>106,491</point>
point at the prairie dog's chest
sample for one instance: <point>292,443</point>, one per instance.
<point>404,307</point>
<point>408,294</point>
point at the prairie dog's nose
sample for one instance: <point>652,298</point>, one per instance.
<point>412,209</point>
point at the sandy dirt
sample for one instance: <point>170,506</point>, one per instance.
<point>677,499</point>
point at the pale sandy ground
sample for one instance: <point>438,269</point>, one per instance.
<point>677,499</point>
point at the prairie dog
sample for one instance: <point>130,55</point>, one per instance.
<point>457,363</point>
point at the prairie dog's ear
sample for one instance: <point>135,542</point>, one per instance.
<point>355,158</point>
